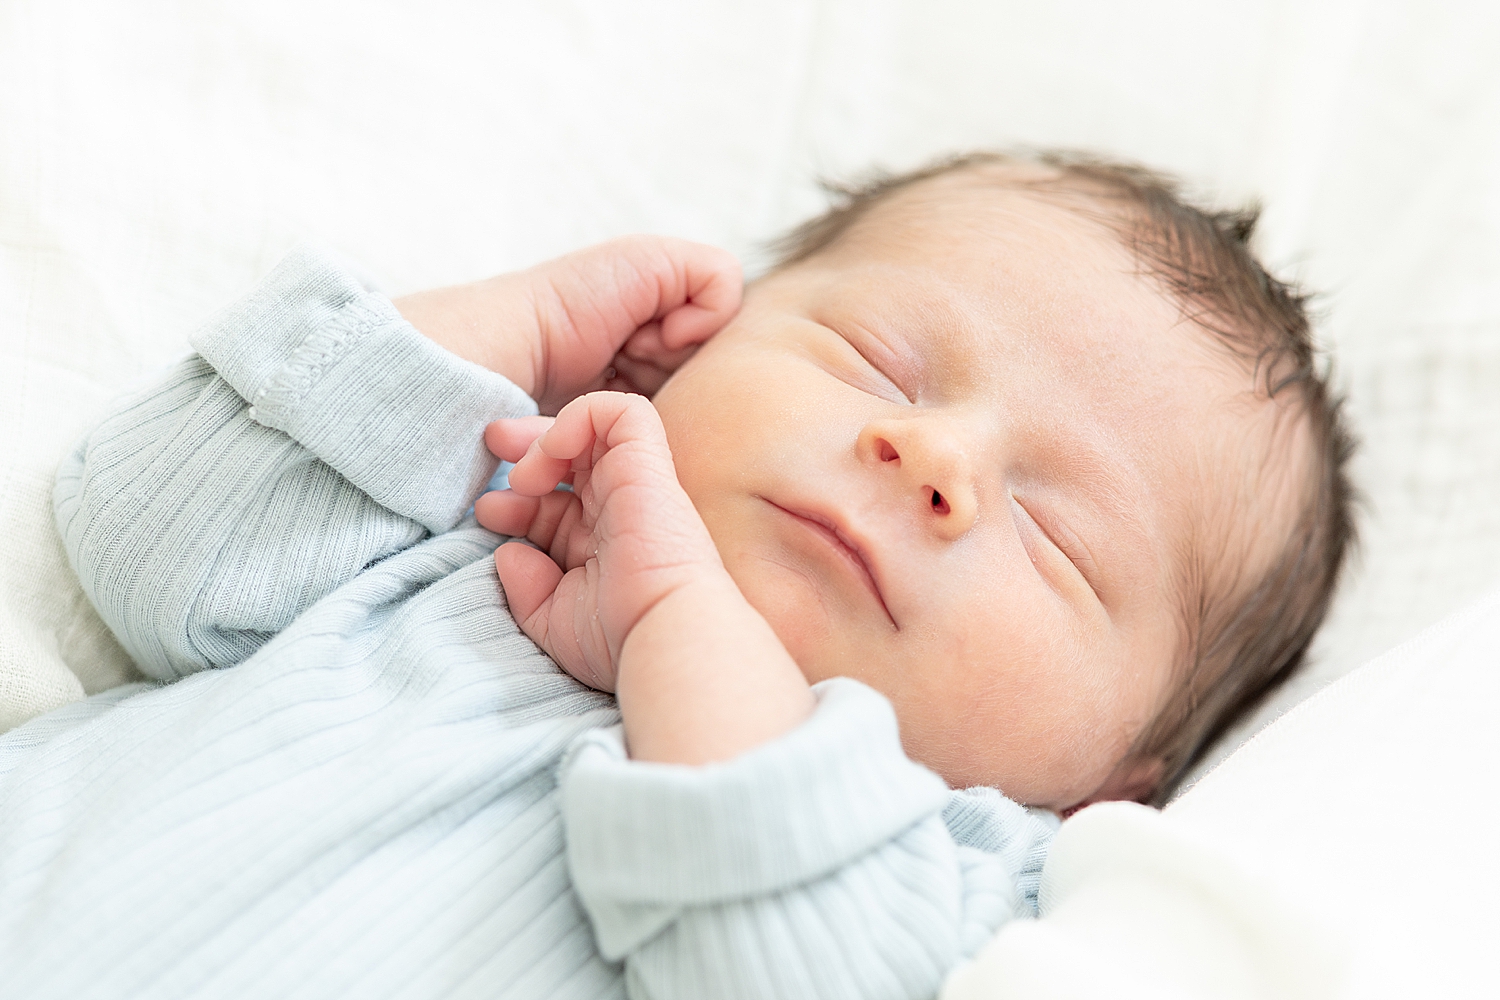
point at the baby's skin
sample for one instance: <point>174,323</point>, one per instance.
<point>964,455</point>
<point>627,592</point>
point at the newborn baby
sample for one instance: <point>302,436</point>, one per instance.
<point>1013,474</point>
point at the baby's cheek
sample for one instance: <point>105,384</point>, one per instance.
<point>792,606</point>
<point>1030,716</point>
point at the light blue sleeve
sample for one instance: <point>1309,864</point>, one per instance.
<point>984,821</point>
<point>314,433</point>
<point>816,866</point>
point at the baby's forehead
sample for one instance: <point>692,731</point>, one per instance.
<point>972,205</point>
<point>1046,252</point>
<point>1024,264</point>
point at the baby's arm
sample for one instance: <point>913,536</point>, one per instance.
<point>316,432</point>
<point>804,855</point>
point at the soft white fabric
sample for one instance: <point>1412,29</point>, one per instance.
<point>1346,851</point>
<point>1137,907</point>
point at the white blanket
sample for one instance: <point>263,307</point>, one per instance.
<point>1347,851</point>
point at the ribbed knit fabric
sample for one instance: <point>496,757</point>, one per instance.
<point>355,776</point>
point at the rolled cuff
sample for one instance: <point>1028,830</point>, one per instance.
<point>338,370</point>
<point>656,837</point>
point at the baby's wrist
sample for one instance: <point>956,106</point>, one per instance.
<point>703,678</point>
<point>463,321</point>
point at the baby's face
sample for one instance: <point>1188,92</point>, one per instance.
<point>963,456</point>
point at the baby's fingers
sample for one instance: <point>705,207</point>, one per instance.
<point>551,458</point>
<point>506,512</point>
<point>537,473</point>
<point>509,439</point>
<point>610,418</point>
<point>536,519</point>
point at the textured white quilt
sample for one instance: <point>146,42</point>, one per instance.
<point>156,157</point>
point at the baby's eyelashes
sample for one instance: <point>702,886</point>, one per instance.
<point>1054,550</point>
<point>881,370</point>
<point>865,358</point>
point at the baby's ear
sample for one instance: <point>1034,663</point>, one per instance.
<point>1135,779</point>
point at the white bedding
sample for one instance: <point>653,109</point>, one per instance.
<point>156,157</point>
<point>1347,851</point>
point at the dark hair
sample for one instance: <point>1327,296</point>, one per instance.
<point>1245,637</point>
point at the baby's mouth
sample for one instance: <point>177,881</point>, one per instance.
<point>844,547</point>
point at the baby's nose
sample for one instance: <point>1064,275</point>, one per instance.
<point>926,458</point>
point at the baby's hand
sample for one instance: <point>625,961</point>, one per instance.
<point>622,541</point>
<point>621,315</point>
<point>628,593</point>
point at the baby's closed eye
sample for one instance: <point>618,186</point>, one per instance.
<point>872,356</point>
<point>1056,551</point>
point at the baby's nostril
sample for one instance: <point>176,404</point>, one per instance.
<point>938,503</point>
<point>888,453</point>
